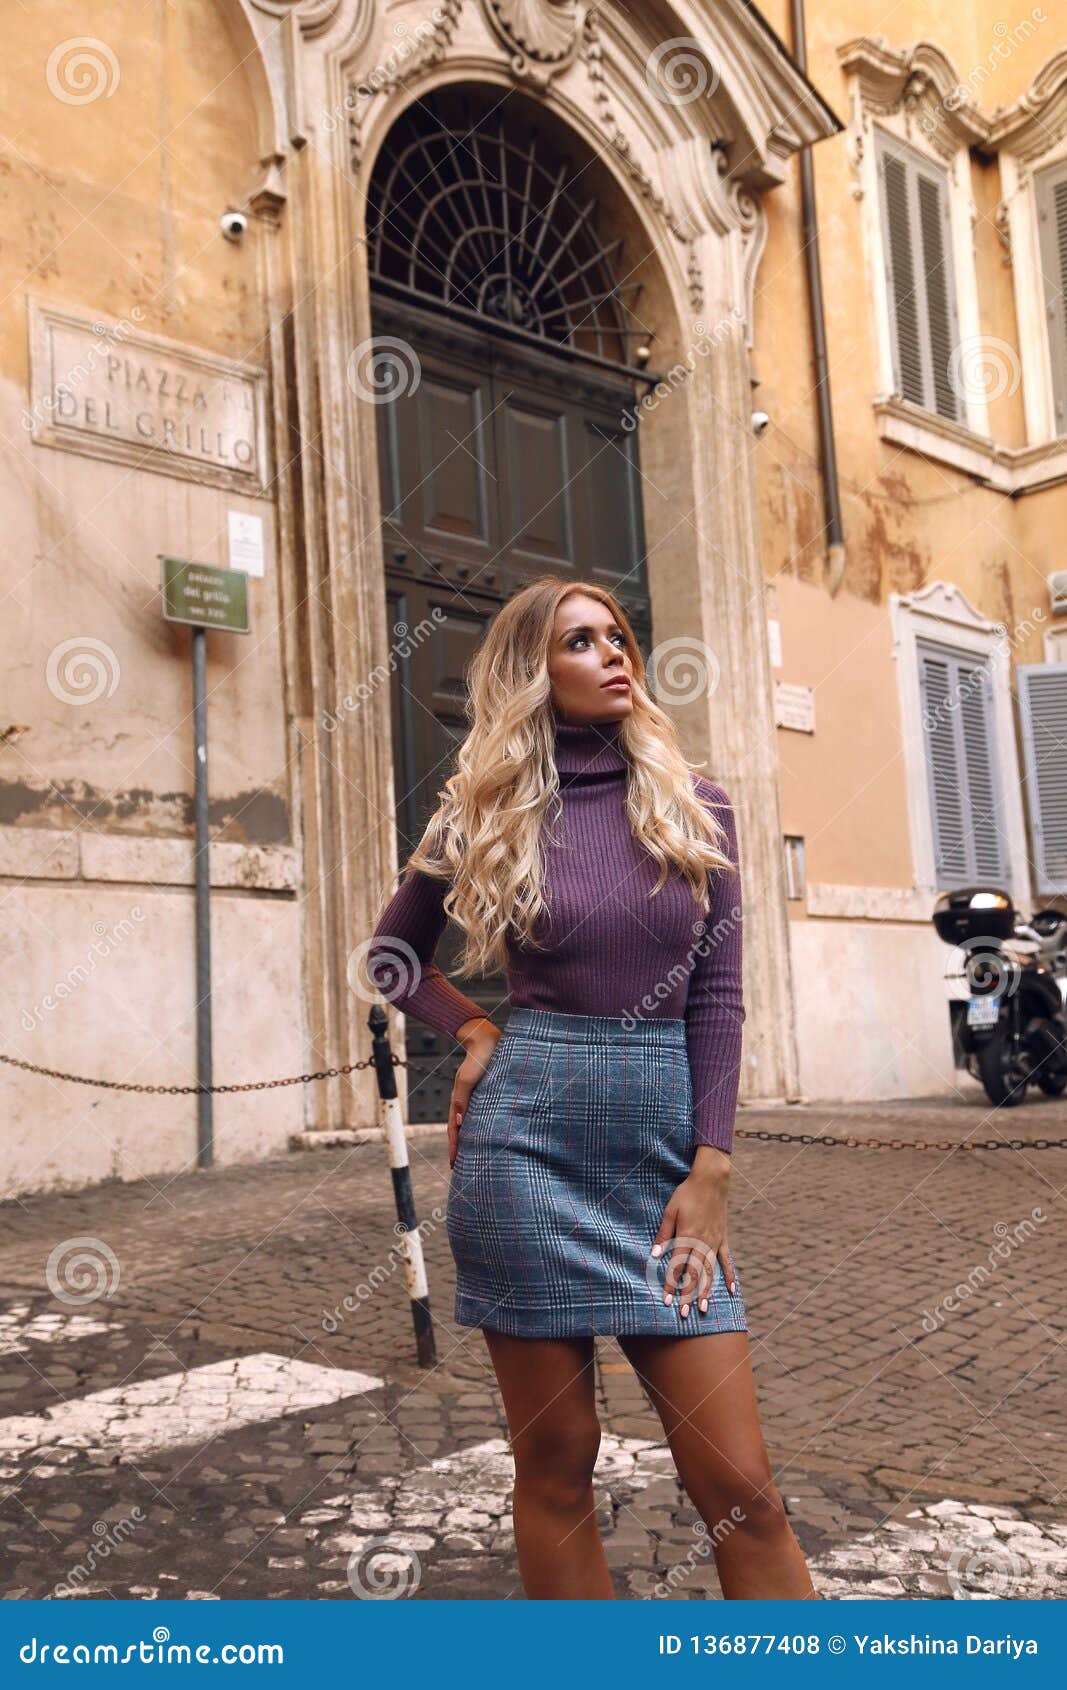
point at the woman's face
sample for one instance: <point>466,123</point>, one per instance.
<point>588,662</point>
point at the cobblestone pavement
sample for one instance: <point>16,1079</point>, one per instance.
<point>238,1412</point>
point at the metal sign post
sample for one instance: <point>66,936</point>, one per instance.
<point>203,597</point>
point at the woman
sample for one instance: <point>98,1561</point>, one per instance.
<point>591,1142</point>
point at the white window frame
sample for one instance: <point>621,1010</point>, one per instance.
<point>956,170</point>
<point>916,94</point>
<point>1041,824</point>
<point>1055,643</point>
<point>891,147</point>
<point>941,613</point>
<point>1020,217</point>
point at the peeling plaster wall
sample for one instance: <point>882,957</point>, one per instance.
<point>908,521</point>
<point>95,717</point>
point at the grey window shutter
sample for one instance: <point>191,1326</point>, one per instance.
<point>965,800</point>
<point>943,771</point>
<point>1050,187</point>
<point>1043,719</point>
<point>919,275</point>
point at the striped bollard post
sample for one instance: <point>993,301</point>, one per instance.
<point>393,1126</point>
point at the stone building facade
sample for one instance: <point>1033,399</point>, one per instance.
<point>261,315</point>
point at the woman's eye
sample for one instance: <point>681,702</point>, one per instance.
<point>620,639</point>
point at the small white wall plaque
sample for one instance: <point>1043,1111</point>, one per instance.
<point>794,707</point>
<point>246,541</point>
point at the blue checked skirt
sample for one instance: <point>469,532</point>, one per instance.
<point>574,1140</point>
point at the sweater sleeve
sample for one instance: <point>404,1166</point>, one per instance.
<point>400,958</point>
<point>715,1008</point>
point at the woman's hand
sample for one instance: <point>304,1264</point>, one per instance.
<point>695,1218</point>
<point>479,1037</point>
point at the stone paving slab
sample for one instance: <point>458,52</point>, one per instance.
<point>143,1417</point>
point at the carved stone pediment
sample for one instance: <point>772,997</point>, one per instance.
<point>1037,122</point>
<point>920,81</point>
<point>943,601</point>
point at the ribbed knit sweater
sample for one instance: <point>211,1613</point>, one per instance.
<point>612,950</point>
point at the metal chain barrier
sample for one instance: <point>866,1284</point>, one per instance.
<point>905,1143</point>
<point>250,1085</point>
<point>398,1062</point>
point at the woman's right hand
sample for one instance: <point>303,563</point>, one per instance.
<point>480,1038</point>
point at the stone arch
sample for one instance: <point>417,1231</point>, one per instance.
<point>688,174</point>
<point>255,43</point>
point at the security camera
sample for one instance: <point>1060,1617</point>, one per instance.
<point>233,224</point>
<point>760,422</point>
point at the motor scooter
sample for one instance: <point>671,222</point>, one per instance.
<point>1007,985</point>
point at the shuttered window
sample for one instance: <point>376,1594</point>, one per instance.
<point>1043,719</point>
<point>917,246</point>
<point>965,801</point>
<point>1050,187</point>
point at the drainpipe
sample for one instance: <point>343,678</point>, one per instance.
<point>834,529</point>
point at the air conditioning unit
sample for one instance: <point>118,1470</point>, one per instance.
<point>1057,591</point>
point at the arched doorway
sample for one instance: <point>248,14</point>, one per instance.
<point>506,312</point>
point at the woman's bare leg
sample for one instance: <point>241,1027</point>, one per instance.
<point>548,1389</point>
<point>703,1390</point>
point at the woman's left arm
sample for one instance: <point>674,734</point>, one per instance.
<point>695,1217</point>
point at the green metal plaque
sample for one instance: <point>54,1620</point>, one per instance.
<point>204,596</point>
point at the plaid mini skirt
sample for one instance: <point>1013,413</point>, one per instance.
<point>574,1140</point>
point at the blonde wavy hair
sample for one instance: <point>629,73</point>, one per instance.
<point>484,838</point>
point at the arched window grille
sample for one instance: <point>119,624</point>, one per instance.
<point>471,211</point>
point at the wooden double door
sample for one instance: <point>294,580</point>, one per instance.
<point>498,464</point>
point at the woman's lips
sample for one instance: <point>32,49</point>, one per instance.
<point>617,686</point>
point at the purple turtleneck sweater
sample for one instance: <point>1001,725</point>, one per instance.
<point>612,950</point>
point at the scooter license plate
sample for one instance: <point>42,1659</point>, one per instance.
<point>983,1012</point>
